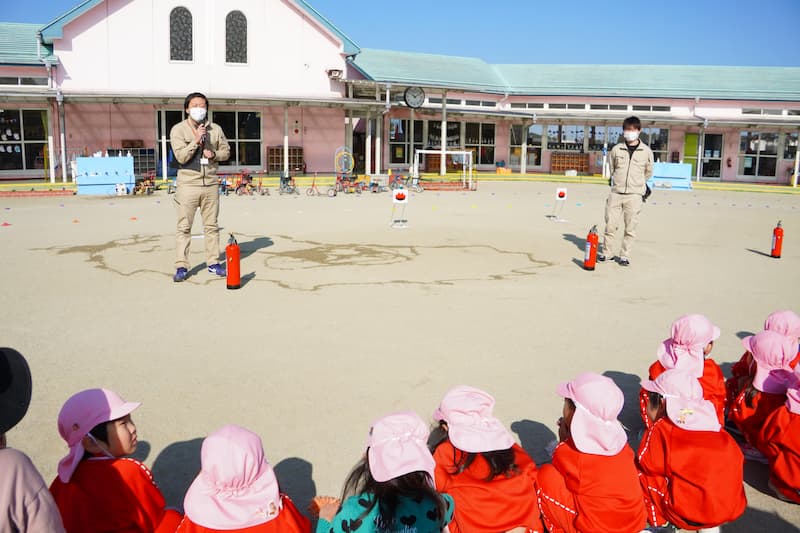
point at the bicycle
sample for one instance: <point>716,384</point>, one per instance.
<point>245,185</point>
<point>411,182</point>
<point>288,186</point>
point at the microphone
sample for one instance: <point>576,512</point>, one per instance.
<point>204,137</point>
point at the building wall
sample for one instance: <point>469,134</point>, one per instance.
<point>123,46</point>
<point>93,127</point>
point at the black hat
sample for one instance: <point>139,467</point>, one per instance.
<point>15,388</point>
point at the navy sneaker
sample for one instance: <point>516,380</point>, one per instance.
<point>601,257</point>
<point>217,269</point>
<point>668,528</point>
<point>180,275</point>
<point>623,262</point>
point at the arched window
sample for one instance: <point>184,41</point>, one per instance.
<point>236,37</point>
<point>180,34</point>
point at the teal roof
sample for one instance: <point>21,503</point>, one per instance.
<point>350,47</point>
<point>55,29</point>
<point>653,81</point>
<point>18,45</point>
<point>429,70</point>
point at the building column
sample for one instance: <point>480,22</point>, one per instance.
<point>286,140</point>
<point>368,151</point>
<point>378,145</point>
<point>796,161</point>
<point>51,151</point>
<point>412,169</point>
<point>523,159</point>
<point>443,161</point>
<point>348,131</point>
<point>700,147</point>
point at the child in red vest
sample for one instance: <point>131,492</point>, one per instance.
<point>490,477</point>
<point>98,489</point>
<point>786,323</point>
<point>766,391</point>
<point>780,442</point>
<point>236,489</point>
<point>592,484</point>
<point>690,469</point>
<point>688,349</point>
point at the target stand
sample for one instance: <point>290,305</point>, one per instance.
<point>399,204</point>
<point>558,207</point>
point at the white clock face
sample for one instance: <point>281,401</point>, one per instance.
<point>414,97</point>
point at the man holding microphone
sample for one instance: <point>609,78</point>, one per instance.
<point>199,146</point>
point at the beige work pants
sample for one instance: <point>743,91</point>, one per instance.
<point>621,209</point>
<point>188,199</point>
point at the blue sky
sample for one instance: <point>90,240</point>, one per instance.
<point>705,32</point>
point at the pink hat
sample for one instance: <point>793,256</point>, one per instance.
<point>397,446</point>
<point>793,393</point>
<point>684,349</point>
<point>598,401</point>
<point>470,424</point>
<point>772,353</point>
<point>684,397</point>
<point>236,487</point>
<point>784,322</point>
<point>79,415</point>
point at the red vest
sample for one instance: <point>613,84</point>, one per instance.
<point>112,495</point>
<point>482,506</point>
<point>703,470</point>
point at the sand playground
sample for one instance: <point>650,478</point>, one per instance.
<point>342,318</point>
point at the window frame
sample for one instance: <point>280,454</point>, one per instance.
<point>234,162</point>
<point>191,35</point>
<point>532,147</point>
<point>757,157</point>
<point>408,145</point>
<point>246,39</point>
<point>24,143</point>
<point>481,145</point>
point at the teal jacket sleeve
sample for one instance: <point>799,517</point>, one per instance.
<point>347,520</point>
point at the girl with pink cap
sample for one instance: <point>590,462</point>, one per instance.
<point>489,476</point>
<point>780,442</point>
<point>592,483</point>
<point>766,390</point>
<point>236,489</point>
<point>98,489</point>
<point>391,489</point>
<point>691,470</point>
<point>688,348</point>
<point>783,322</point>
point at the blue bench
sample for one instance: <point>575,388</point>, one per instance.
<point>100,175</point>
<point>671,176</point>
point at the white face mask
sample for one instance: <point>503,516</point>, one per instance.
<point>198,114</point>
<point>631,136</point>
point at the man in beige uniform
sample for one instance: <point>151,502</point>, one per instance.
<point>199,146</point>
<point>631,166</point>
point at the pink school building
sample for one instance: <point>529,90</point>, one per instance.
<point>289,87</point>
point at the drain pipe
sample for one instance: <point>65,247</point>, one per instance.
<point>63,132</point>
<point>50,83</point>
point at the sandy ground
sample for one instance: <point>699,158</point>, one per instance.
<point>343,319</point>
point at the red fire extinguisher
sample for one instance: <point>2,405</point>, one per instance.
<point>777,241</point>
<point>590,258</point>
<point>232,255</point>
